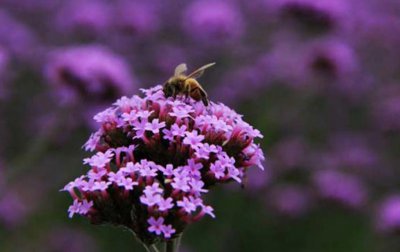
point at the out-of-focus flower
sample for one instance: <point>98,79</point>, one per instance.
<point>12,209</point>
<point>19,41</point>
<point>290,153</point>
<point>137,19</point>
<point>165,57</point>
<point>341,188</point>
<point>63,239</point>
<point>88,74</point>
<point>321,16</point>
<point>285,65</point>
<point>388,215</point>
<point>240,84</point>
<point>213,22</point>
<point>386,108</point>
<point>290,200</point>
<point>332,58</point>
<point>84,18</point>
<point>154,163</point>
<point>4,73</point>
<point>336,66</point>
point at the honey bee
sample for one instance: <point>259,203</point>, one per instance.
<point>187,84</point>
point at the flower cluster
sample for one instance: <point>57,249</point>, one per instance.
<point>155,160</point>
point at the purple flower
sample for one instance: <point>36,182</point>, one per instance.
<point>101,185</point>
<point>218,170</point>
<point>168,135</point>
<point>181,184</point>
<point>100,160</point>
<point>167,230</point>
<point>74,208</point>
<point>153,189</point>
<point>193,139</point>
<point>186,205</point>
<point>83,18</point>
<point>342,188</point>
<point>88,73</point>
<point>165,204</point>
<point>388,214</point>
<point>126,183</point>
<point>180,112</point>
<point>155,225</point>
<point>177,130</point>
<point>150,200</point>
<point>168,170</point>
<point>66,239</point>
<point>208,210</point>
<point>315,15</point>
<point>152,165</point>
<point>290,200</point>
<point>216,23</point>
<point>155,126</point>
<point>137,19</point>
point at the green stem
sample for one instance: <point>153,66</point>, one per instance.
<point>173,245</point>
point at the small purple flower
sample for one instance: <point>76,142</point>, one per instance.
<point>218,170</point>
<point>168,135</point>
<point>208,210</point>
<point>193,139</point>
<point>148,171</point>
<point>85,207</point>
<point>74,208</point>
<point>168,170</point>
<point>150,200</point>
<point>165,204</point>
<point>144,115</point>
<point>126,183</point>
<point>177,130</point>
<point>181,112</point>
<point>187,205</point>
<point>130,117</point>
<point>101,185</point>
<point>155,126</point>
<point>153,189</point>
<point>167,230</point>
<point>156,225</point>
<point>181,184</point>
<point>100,160</point>
<point>140,127</point>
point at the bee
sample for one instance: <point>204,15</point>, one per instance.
<point>187,85</point>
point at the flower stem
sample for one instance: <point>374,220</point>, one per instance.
<point>173,245</point>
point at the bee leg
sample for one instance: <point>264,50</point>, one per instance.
<point>173,92</point>
<point>187,92</point>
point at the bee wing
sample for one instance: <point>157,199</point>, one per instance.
<point>180,69</point>
<point>198,72</point>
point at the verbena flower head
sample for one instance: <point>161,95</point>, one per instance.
<point>388,214</point>
<point>156,158</point>
<point>91,73</point>
<point>84,18</point>
<point>321,15</point>
<point>215,22</point>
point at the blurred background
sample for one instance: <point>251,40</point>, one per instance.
<point>320,79</point>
